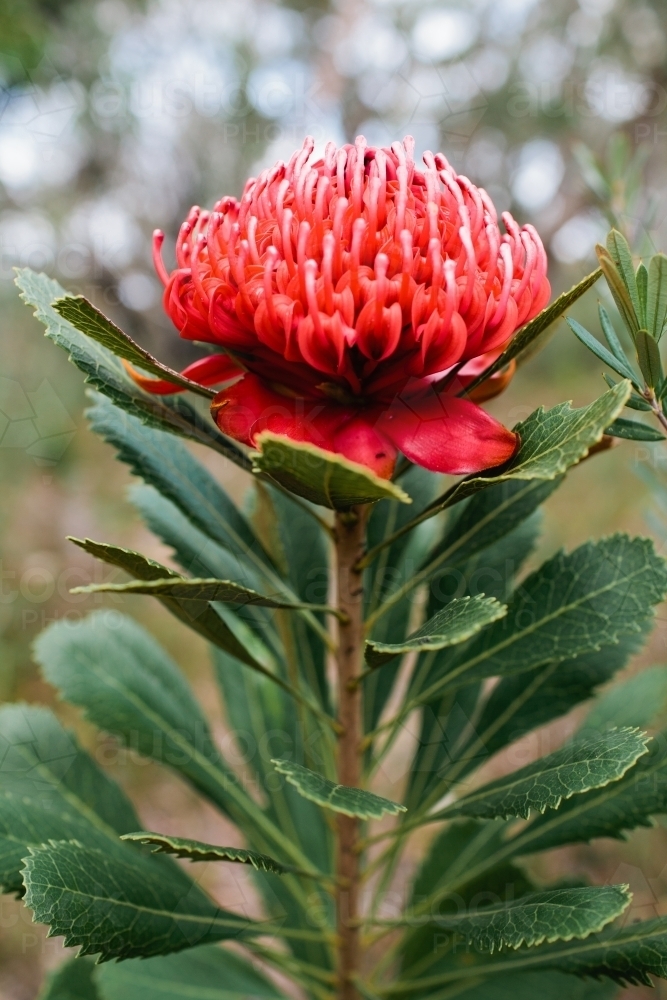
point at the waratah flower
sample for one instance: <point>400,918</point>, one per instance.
<point>356,295</point>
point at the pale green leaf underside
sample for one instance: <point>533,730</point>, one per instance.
<point>105,371</point>
<point>185,589</point>
<point>339,798</point>
<point>320,476</point>
<point>459,620</point>
<point>119,908</point>
<point>208,973</point>
<point>554,915</point>
<point>575,768</point>
<point>83,315</point>
<point>196,850</point>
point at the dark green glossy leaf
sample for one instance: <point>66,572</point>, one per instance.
<point>580,765</point>
<point>459,620</point>
<point>119,908</point>
<point>196,850</point>
<point>339,798</point>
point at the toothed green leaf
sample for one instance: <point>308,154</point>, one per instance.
<point>459,620</point>
<point>196,850</point>
<point>339,798</point>
<point>577,767</point>
<point>322,477</point>
<point>119,908</point>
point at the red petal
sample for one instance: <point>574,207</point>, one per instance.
<point>446,434</point>
<point>361,442</point>
<point>250,406</point>
<point>206,371</point>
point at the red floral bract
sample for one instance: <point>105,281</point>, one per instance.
<point>346,290</point>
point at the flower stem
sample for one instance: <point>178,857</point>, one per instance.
<point>350,531</point>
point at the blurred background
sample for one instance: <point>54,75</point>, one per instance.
<point>116,116</point>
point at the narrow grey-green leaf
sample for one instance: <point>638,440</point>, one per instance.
<point>642,291</point>
<point>186,589</point>
<point>633,430</point>
<point>621,367</point>
<point>459,620</point>
<point>525,338</point>
<point>620,253</point>
<point>199,615</point>
<point>51,788</point>
<point>339,798</point>
<point>611,337</point>
<point>577,767</point>
<point>118,908</point>
<point>323,477</point>
<point>171,468</point>
<point>626,956</point>
<point>205,973</point>
<point>73,980</point>
<point>196,850</point>
<point>575,603</point>
<point>105,372</point>
<point>617,287</point>
<point>83,315</point>
<point>648,356</point>
<point>637,701</point>
<point>656,297</point>
<point>554,915</point>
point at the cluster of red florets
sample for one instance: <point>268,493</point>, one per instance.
<point>346,289</point>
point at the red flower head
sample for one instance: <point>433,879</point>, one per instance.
<point>346,290</point>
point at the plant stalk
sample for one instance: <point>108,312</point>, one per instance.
<point>350,532</point>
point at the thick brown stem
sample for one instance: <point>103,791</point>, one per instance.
<point>350,536</point>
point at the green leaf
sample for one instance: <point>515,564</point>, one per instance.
<point>634,702</point>
<point>656,297</point>
<point>83,315</point>
<point>339,798</point>
<point>198,615</point>
<point>518,704</point>
<point>619,251</point>
<point>611,337</point>
<point>525,338</point>
<point>105,372</point>
<point>642,291</point>
<point>580,765</point>
<point>459,620</point>
<point>605,812</point>
<point>51,788</point>
<point>128,686</point>
<point>633,430</point>
<point>648,356</point>
<point>618,290</point>
<point>554,915</point>
<point>185,589</point>
<point>73,980</point>
<point>169,467</point>
<point>205,973</point>
<point>621,367</point>
<point>551,441</point>
<point>195,850</point>
<point>530,985</point>
<point>573,604</point>
<point>119,908</point>
<point>626,956</point>
<point>320,476</point>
